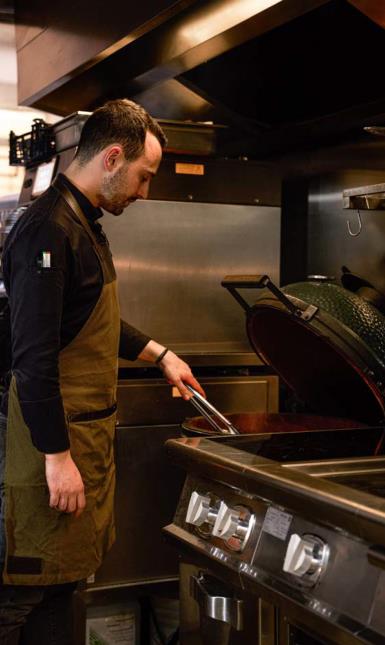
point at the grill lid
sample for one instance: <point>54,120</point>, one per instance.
<point>326,343</point>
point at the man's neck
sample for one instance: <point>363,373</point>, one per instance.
<point>80,178</point>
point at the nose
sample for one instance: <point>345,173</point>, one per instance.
<point>143,191</point>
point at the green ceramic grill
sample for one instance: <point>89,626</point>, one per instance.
<point>327,344</point>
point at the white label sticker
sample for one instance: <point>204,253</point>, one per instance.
<point>277,523</point>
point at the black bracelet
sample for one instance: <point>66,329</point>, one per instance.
<point>161,356</point>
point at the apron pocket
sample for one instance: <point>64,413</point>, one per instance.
<point>91,437</point>
<point>94,415</point>
<point>44,542</point>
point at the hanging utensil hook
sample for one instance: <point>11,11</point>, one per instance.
<point>359,225</point>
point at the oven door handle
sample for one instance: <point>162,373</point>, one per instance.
<point>222,608</point>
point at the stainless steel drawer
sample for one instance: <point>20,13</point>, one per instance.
<point>152,401</point>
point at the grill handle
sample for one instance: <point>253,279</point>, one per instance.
<point>210,413</point>
<point>222,608</point>
<point>234,282</point>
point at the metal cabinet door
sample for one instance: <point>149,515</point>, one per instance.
<point>213,612</point>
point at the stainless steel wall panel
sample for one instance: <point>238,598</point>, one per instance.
<point>170,259</point>
<point>329,244</point>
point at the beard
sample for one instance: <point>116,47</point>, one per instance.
<point>113,194</point>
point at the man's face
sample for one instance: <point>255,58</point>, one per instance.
<point>131,179</point>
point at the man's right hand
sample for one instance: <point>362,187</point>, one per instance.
<point>65,484</point>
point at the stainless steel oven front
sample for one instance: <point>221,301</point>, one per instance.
<point>279,553</point>
<point>214,611</point>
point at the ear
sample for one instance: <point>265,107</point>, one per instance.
<point>113,157</point>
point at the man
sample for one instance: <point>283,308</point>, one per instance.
<point>57,509</point>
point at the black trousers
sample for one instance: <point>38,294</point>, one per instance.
<point>36,615</point>
<point>31,615</point>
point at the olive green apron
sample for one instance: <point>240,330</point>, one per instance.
<point>45,546</point>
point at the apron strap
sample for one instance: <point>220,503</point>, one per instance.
<point>74,206</point>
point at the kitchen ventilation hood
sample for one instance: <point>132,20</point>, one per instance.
<point>281,74</point>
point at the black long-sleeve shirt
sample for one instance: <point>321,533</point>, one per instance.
<point>49,306</point>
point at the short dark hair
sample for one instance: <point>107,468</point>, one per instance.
<point>119,121</point>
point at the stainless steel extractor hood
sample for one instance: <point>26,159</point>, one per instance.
<point>281,74</point>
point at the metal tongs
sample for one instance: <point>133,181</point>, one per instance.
<point>208,411</point>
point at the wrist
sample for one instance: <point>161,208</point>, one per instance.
<point>161,356</point>
<point>57,456</point>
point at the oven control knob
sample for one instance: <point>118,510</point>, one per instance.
<point>198,509</point>
<point>306,556</point>
<point>227,522</point>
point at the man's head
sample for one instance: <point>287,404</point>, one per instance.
<point>119,151</point>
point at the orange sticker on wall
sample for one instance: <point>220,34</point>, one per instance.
<point>189,169</point>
